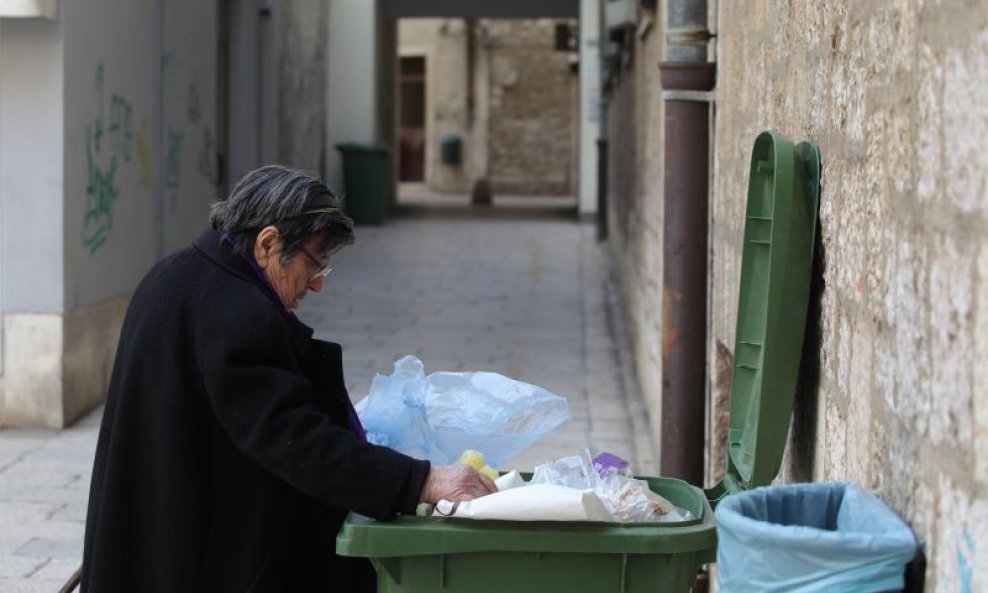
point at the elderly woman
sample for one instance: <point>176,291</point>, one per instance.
<point>229,452</point>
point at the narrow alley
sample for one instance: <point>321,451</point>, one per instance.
<point>592,196</point>
<point>527,297</point>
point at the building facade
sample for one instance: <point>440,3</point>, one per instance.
<point>121,123</point>
<point>499,89</point>
<point>890,91</point>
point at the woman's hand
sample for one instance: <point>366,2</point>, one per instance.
<point>455,482</point>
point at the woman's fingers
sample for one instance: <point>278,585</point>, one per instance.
<point>455,482</point>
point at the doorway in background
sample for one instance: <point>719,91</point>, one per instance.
<point>411,135</point>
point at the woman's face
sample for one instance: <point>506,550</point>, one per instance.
<point>294,278</point>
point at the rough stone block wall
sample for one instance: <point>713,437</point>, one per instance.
<point>894,92</point>
<point>635,173</point>
<point>521,131</point>
<point>533,110</point>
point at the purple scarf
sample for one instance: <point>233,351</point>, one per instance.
<point>355,426</point>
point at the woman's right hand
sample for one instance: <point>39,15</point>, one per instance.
<point>455,482</point>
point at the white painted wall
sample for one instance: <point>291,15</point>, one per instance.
<point>110,238</point>
<point>111,64</point>
<point>589,102</point>
<point>189,103</point>
<point>31,223</point>
<point>31,166</point>
<point>245,89</point>
<point>107,162</point>
<point>2,234</point>
<point>352,90</point>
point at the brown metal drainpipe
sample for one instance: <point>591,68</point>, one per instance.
<point>684,278</point>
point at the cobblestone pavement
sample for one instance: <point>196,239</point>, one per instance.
<point>527,296</point>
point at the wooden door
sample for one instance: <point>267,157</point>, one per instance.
<point>411,135</point>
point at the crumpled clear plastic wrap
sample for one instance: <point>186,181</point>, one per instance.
<point>437,416</point>
<point>629,500</point>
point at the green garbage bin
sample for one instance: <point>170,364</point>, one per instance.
<point>419,555</point>
<point>365,181</point>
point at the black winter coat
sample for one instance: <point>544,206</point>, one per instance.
<point>225,460</point>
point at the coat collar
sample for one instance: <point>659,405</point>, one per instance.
<point>210,243</point>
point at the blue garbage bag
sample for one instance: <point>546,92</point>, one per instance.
<point>810,538</point>
<point>437,417</point>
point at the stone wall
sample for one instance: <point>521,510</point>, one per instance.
<point>533,110</point>
<point>893,398</point>
<point>893,92</point>
<point>635,172</point>
<point>518,123</point>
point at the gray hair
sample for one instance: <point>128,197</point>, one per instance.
<point>297,203</point>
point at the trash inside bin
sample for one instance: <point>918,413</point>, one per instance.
<point>425,554</point>
<point>365,181</point>
<point>420,554</point>
<point>810,538</point>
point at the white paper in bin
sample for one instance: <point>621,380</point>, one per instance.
<point>538,502</point>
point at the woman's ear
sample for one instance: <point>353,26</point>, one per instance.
<point>266,246</point>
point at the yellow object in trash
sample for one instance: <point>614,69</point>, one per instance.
<point>475,459</point>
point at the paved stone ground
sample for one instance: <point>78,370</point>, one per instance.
<point>520,292</point>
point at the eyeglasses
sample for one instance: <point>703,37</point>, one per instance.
<point>323,269</point>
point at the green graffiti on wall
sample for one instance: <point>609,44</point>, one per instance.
<point>105,146</point>
<point>120,130</point>
<point>193,113</point>
<point>101,193</point>
<point>173,166</point>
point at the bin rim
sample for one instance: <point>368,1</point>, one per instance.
<point>761,533</point>
<point>424,536</point>
<point>407,538</point>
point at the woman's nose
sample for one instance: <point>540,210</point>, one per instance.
<point>316,284</point>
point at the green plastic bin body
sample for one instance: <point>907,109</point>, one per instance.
<point>365,181</point>
<point>419,555</point>
<point>429,555</point>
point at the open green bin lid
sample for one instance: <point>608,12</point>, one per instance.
<point>776,269</point>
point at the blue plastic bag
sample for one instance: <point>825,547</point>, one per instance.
<point>810,538</point>
<point>437,417</point>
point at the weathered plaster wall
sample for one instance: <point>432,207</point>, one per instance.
<point>116,226</point>
<point>351,98</point>
<point>108,161</point>
<point>110,230</point>
<point>31,283</point>
<point>189,140</point>
<point>590,105</point>
<point>301,85</point>
<point>893,91</point>
<point>130,194</point>
<point>30,165</point>
<point>635,175</point>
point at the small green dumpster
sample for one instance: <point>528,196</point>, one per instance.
<point>365,181</point>
<point>429,554</point>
